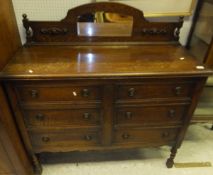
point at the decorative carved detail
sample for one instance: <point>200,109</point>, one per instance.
<point>26,24</point>
<point>154,31</point>
<point>54,31</point>
<point>177,32</point>
<point>177,29</point>
<point>39,32</point>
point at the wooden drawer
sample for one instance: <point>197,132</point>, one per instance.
<point>145,115</point>
<point>45,93</point>
<point>64,140</point>
<point>62,117</point>
<point>152,135</point>
<point>152,90</point>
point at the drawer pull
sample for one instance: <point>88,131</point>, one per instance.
<point>128,115</point>
<point>34,93</point>
<point>172,113</point>
<point>40,117</point>
<point>165,135</point>
<point>131,92</point>
<point>45,139</point>
<point>85,92</point>
<point>86,115</point>
<point>125,136</point>
<point>178,90</point>
<point>88,137</point>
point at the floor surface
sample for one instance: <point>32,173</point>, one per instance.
<point>197,147</point>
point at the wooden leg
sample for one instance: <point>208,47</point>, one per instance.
<point>37,165</point>
<point>212,127</point>
<point>170,160</point>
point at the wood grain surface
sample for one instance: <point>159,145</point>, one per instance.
<point>102,61</point>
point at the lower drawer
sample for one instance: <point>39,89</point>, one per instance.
<point>143,115</point>
<point>145,136</point>
<point>59,141</point>
<point>62,117</point>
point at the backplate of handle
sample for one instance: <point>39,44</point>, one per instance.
<point>171,113</point>
<point>131,92</point>
<point>178,90</point>
<point>86,115</point>
<point>125,136</point>
<point>40,117</point>
<point>45,139</point>
<point>34,93</point>
<point>128,115</point>
<point>88,137</point>
<point>85,92</point>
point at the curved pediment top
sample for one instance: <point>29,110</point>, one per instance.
<point>67,30</point>
<point>111,7</point>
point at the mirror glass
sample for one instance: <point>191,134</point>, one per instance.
<point>105,24</point>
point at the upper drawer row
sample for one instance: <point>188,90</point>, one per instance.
<point>41,93</point>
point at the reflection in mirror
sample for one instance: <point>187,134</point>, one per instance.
<point>104,24</point>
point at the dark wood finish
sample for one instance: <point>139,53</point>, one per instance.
<point>66,62</point>
<point>78,97</point>
<point>197,91</point>
<point>10,40</point>
<point>155,90</point>
<point>11,141</point>
<point>67,92</point>
<point>156,114</point>
<point>39,32</point>
<point>59,140</point>
<point>136,135</point>
<point>13,156</point>
<point>81,117</point>
<point>107,122</point>
<point>20,121</point>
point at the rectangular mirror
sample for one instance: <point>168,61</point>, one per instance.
<point>105,24</point>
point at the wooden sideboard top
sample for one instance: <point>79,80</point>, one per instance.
<point>102,61</point>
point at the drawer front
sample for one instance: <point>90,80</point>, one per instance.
<point>48,93</point>
<point>151,90</point>
<point>145,115</point>
<point>60,118</point>
<point>53,140</point>
<point>134,135</point>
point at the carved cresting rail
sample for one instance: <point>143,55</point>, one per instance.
<point>65,31</point>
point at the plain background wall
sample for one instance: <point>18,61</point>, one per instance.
<point>56,10</point>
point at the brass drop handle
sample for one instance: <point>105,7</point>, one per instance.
<point>86,115</point>
<point>171,113</point>
<point>85,92</point>
<point>40,117</point>
<point>178,90</point>
<point>165,134</point>
<point>88,137</point>
<point>34,93</point>
<point>131,92</point>
<point>45,139</point>
<point>125,136</point>
<point>128,115</point>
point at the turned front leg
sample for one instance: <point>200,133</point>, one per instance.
<point>37,165</point>
<point>170,160</point>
